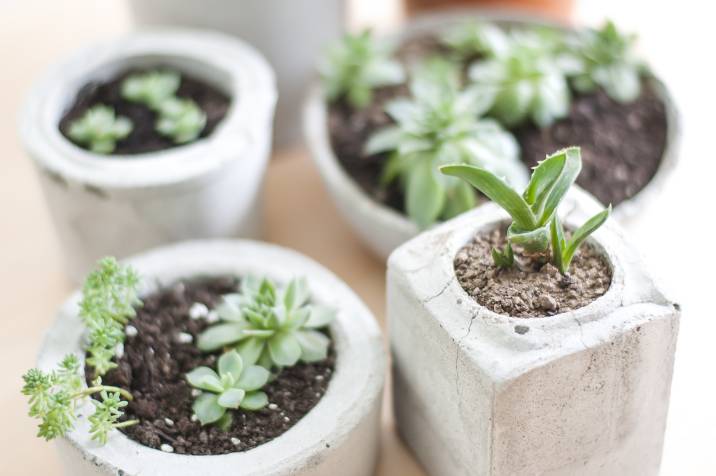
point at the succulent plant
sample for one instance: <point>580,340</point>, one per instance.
<point>180,119</point>
<point>357,65</point>
<point>472,38</point>
<point>440,124</point>
<point>151,88</point>
<point>233,385</point>
<point>274,327</point>
<point>534,219</point>
<point>99,129</point>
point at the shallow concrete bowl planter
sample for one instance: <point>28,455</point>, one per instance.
<point>340,435</point>
<point>121,205</point>
<point>382,228</point>
<point>583,392</point>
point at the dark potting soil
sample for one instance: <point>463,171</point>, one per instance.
<point>153,369</point>
<point>144,138</point>
<point>622,144</point>
<point>531,288</point>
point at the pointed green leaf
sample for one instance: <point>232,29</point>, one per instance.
<point>220,335</point>
<point>567,176</point>
<point>582,233</point>
<point>383,140</point>
<point>532,241</point>
<point>284,348</point>
<point>250,349</point>
<point>205,379</point>
<point>231,398</point>
<point>320,316</point>
<point>231,363</point>
<point>557,238</point>
<point>314,345</point>
<point>254,401</point>
<point>253,378</point>
<point>425,194</point>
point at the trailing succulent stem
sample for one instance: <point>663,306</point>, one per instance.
<point>99,129</point>
<point>55,396</point>
<point>534,219</point>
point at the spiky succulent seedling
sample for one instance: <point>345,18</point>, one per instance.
<point>234,385</point>
<point>472,38</point>
<point>440,124</point>
<point>534,218</point>
<point>182,120</point>
<point>607,59</point>
<point>55,396</point>
<point>151,88</point>
<point>99,129</point>
<point>274,327</point>
<point>357,65</point>
<point>527,81</point>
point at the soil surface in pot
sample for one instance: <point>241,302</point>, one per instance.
<point>622,144</point>
<point>532,287</point>
<point>144,138</point>
<point>155,362</point>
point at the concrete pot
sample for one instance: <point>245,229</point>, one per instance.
<point>384,229</point>
<point>121,205</point>
<point>290,34</point>
<point>340,435</point>
<point>583,392</point>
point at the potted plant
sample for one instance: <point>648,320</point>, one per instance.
<point>205,357</point>
<point>157,136</point>
<point>542,337</point>
<point>568,84</point>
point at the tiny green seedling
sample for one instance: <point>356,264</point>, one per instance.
<point>55,397</point>
<point>534,219</point>
<point>152,88</point>
<point>274,328</point>
<point>356,66</point>
<point>472,38</point>
<point>99,129</point>
<point>235,385</point>
<point>607,59</point>
<point>182,120</point>
<point>441,125</point>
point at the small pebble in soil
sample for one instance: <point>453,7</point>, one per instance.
<point>194,418</point>
<point>319,377</point>
<point>184,338</point>
<point>169,421</point>
<point>198,310</point>
<point>167,448</point>
<point>235,441</point>
<point>547,302</point>
<point>272,406</point>
<point>130,331</point>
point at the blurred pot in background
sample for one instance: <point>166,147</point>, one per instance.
<point>558,9</point>
<point>290,34</point>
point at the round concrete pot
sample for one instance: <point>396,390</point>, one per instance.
<point>285,32</point>
<point>121,205</point>
<point>582,392</point>
<point>382,228</point>
<point>340,435</point>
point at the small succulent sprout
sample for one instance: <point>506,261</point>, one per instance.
<point>357,65</point>
<point>54,398</point>
<point>534,211</point>
<point>441,125</point>
<point>182,120</point>
<point>99,129</point>
<point>152,88</point>
<point>109,297</point>
<point>234,385</point>
<point>527,81</point>
<point>269,326</point>
<point>472,38</point>
<point>607,60</point>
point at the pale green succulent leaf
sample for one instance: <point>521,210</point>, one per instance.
<point>314,345</point>
<point>253,378</point>
<point>231,398</point>
<point>284,349</point>
<point>254,401</point>
<point>207,409</point>
<point>231,363</point>
<point>221,335</point>
<point>205,379</point>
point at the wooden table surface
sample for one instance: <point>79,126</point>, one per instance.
<point>299,214</point>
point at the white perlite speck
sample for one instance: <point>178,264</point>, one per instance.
<point>235,441</point>
<point>131,331</point>
<point>272,406</point>
<point>184,338</point>
<point>198,310</point>
<point>194,418</point>
<point>167,448</point>
<point>119,351</point>
<point>169,421</point>
<point>195,392</point>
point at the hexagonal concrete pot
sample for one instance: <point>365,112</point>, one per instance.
<point>583,392</point>
<point>121,205</point>
<point>382,228</point>
<point>340,435</point>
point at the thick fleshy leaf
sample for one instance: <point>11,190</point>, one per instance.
<point>295,294</point>
<point>254,401</point>
<point>425,194</point>
<point>531,240</point>
<point>314,345</point>
<point>231,363</point>
<point>231,398</point>
<point>225,421</point>
<point>551,101</point>
<point>320,316</point>
<point>568,174</point>
<point>220,335</point>
<point>253,378</point>
<point>229,309</point>
<point>460,199</point>
<point>250,349</point>
<point>622,83</point>
<point>298,318</point>
<point>513,102</point>
<point>582,233</point>
<point>205,379</point>
<point>543,178</point>
<point>284,348</point>
<point>557,239</point>
<point>207,409</point>
<point>384,140</point>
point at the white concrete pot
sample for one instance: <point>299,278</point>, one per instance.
<point>582,392</point>
<point>384,229</point>
<point>120,205</point>
<point>291,34</point>
<point>340,435</point>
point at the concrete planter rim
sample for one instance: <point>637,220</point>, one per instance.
<point>318,138</point>
<point>223,61</point>
<point>353,392</point>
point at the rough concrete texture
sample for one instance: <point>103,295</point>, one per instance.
<point>123,205</point>
<point>340,435</point>
<point>476,393</point>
